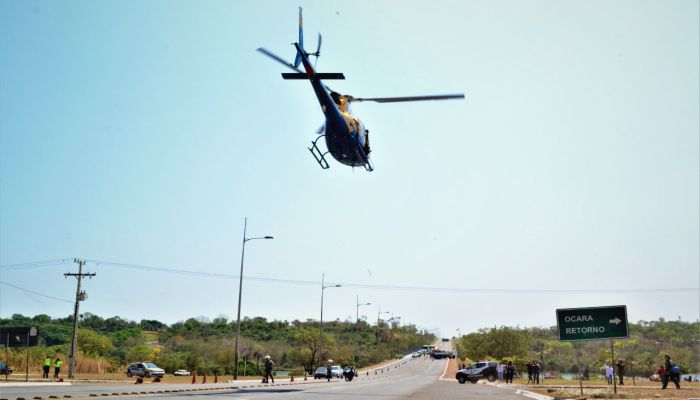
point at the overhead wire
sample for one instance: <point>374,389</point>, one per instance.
<point>394,287</point>
<point>35,293</point>
<point>166,269</point>
<point>33,264</point>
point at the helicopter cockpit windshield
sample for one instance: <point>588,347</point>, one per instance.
<point>341,101</point>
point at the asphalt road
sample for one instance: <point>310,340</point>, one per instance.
<point>408,379</point>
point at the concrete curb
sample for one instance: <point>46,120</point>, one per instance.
<point>532,395</point>
<point>26,384</point>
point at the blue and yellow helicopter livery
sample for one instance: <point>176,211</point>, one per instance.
<point>347,139</point>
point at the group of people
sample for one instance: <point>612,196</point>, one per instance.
<point>621,369</point>
<point>669,371</point>
<point>505,369</point>
<point>47,367</point>
<point>533,371</point>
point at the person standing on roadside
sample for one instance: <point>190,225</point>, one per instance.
<point>499,369</point>
<point>329,370</point>
<point>608,374</point>
<point>57,368</point>
<point>269,364</point>
<point>536,372</point>
<point>510,371</point>
<point>47,367</point>
<point>672,372</point>
<point>660,372</point>
<point>529,371</point>
<point>620,370</point>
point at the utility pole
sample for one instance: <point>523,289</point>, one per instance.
<point>79,296</point>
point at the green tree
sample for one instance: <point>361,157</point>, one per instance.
<point>93,344</point>
<point>140,352</point>
<point>310,353</point>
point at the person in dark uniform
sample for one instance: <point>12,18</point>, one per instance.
<point>672,372</point>
<point>529,371</point>
<point>536,373</point>
<point>329,371</point>
<point>510,371</point>
<point>268,370</point>
<point>620,370</point>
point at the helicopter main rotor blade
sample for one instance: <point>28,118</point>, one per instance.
<point>278,59</point>
<point>402,99</point>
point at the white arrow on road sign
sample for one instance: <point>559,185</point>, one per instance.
<point>615,321</point>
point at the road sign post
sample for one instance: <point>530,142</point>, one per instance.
<point>593,323</point>
<point>19,337</point>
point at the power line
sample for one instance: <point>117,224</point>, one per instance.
<point>29,267</point>
<point>395,287</point>
<point>35,263</point>
<point>32,265</point>
<point>36,293</point>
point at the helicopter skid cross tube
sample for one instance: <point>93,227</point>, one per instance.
<point>316,152</point>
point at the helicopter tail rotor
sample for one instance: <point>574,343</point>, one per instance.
<point>318,51</point>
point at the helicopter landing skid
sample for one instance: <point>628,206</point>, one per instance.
<point>367,164</point>
<point>316,152</point>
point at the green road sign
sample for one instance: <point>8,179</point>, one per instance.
<point>592,323</point>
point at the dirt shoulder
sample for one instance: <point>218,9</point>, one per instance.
<point>647,390</point>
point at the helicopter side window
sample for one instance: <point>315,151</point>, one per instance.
<point>336,97</point>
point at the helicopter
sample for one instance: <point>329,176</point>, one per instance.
<point>347,139</point>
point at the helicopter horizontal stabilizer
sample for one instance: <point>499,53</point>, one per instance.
<point>324,75</point>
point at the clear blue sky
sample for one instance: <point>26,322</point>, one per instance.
<point>144,133</point>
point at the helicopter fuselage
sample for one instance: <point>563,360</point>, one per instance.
<point>346,137</point>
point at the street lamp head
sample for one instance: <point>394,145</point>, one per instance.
<point>269,237</point>
<point>337,285</point>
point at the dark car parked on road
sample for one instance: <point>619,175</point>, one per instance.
<point>441,354</point>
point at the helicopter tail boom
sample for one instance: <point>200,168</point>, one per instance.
<point>297,59</point>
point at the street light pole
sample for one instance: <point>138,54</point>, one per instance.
<point>357,321</point>
<point>391,332</point>
<point>379,312</point>
<point>323,288</point>
<point>456,346</point>
<point>357,310</point>
<point>240,293</point>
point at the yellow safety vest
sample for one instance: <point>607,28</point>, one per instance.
<point>47,362</point>
<point>58,364</point>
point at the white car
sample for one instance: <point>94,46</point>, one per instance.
<point>336,372</point>
<point>181,372</point>
<point>146,369</point>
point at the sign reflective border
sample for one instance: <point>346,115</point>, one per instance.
<point>592,323</point>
